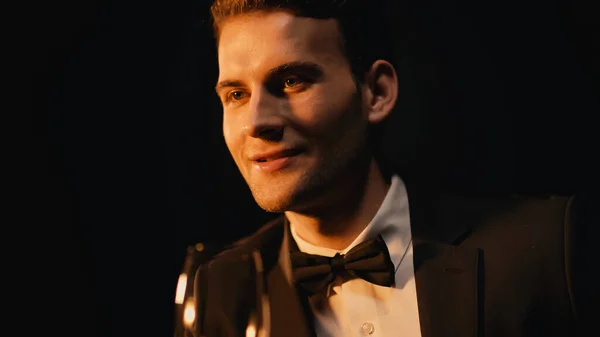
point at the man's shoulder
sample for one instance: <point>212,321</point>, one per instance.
<point>504,203</point>
<point>505,213</point>
<point>495,198</point>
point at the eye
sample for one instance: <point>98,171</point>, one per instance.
<point>291,82</point>
<point>235,95</point>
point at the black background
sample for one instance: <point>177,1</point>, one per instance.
<point>129,165</point>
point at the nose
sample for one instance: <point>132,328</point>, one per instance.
<point>264,118</point>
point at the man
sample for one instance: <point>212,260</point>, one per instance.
<point>361,249</point>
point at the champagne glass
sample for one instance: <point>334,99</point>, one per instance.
<point>259,317</point>
<point>259,321</point>
<point>185,308</point>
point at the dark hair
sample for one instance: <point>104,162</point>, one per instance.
<point>362,24</point>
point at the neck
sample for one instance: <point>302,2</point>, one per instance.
<point>338,224</point>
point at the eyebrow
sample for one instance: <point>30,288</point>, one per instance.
<point>308,68</point>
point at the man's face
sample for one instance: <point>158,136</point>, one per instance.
<point>293,119</point>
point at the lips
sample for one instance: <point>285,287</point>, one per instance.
<point>274,155</point>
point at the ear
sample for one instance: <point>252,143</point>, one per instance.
<point>381,90</point>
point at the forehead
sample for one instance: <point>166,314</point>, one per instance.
<point>260,41</point>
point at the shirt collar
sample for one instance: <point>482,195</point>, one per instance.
<point>392,222</point>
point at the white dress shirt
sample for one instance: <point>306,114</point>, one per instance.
<point>356,307</point>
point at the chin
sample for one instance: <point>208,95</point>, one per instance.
<point>272,197</point>
<point>282,200</point>
<point>273,204</point>
<point>276,195</point>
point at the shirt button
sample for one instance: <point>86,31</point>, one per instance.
<point>368,328</point>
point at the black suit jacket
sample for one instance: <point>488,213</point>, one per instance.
<point>483,267</point>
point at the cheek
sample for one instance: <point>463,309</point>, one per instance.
<point>231,134</point>
<point>325,111</point>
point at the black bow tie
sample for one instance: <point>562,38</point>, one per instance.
<point>369,261</point>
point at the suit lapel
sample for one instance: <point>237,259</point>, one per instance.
<point>288,311</point>
<point>228,299</point>
<point>448,281</point>
<point>449,278</point>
